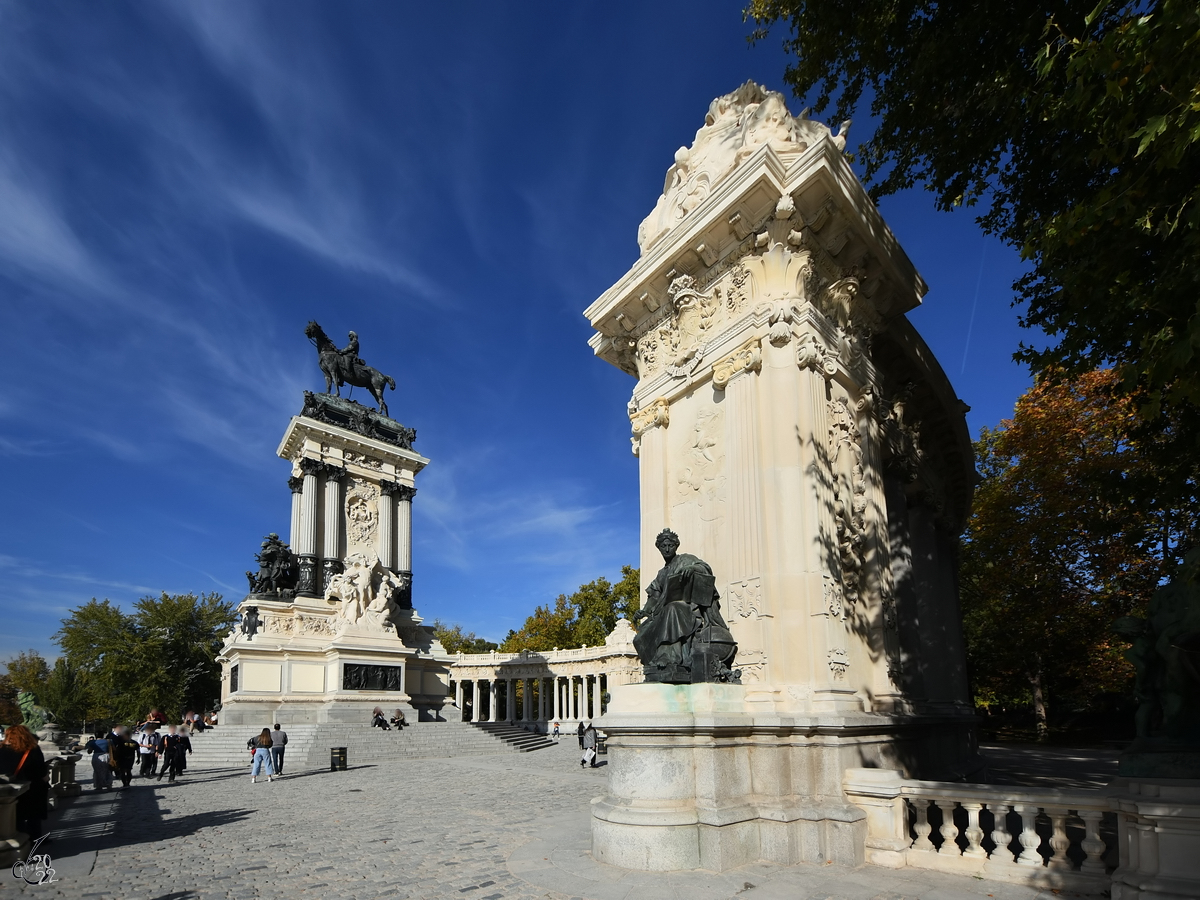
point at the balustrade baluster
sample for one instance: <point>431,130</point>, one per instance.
<point>973,832</point>
<point>922,826</point>
<point>949,830</point>
<point>1000,836</point>
<point>1029,838</point>
<point>1059,842</point>
<point>1092,843</point>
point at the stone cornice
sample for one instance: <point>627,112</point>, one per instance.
<point>302,428</point>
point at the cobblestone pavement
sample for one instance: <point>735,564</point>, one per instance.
<point>478,828</point>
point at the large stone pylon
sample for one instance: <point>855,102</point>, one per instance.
<point>796,432</point>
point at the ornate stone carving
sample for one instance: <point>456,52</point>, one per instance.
<point>745,598</point>
<point>737,124</point>
<point>365,590</point>
<point>694,314</point>
<point>701,468</point>
<point>312,626</point>
<point>746,359</point>
<point>850,490</point>
<point>329,568</point>
<point>655,415</point>
<point>831,597</point>
<point>296,484</point>
<point>902,436</point>
<point>362,514</point>
<point>366,462</point>
<point>357,418</point>
<point>839,663</point>
<point>738,290</point>
<point>753,665</point>
<point>811,354</point>
<point>306,584</point>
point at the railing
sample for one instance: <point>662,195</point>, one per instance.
<point>62,777</point>
<point>1033,836</point>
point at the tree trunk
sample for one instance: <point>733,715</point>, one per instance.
<point>1039,702</point>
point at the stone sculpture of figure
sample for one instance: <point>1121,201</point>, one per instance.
<point>684,639</point>
<point>277,569</point>
<point>1165,654</point>
<point>365,589</point>
<point>33,717</point>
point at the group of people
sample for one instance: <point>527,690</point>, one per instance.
<point>266,753</point>
<point>379,719</point>
<point>589,743</point>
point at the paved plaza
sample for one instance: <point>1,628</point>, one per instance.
<point>477,828</point>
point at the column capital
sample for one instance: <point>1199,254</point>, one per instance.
<point>296,483</point>
<point>310,466</point>
<point>401,491</point>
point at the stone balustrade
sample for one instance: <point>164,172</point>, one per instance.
<point>12,842</point>
<point>1034,836</point>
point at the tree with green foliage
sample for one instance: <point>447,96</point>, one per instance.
<point>162,654</point>
<point>1075,523</point>
<point>455,640</point>
<point>28,671</point>
<point>583,619</point>
<point>1075,122</point>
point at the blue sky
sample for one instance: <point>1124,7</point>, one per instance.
<point>184,185</point>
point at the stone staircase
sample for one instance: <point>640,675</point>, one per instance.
<point>520,739</point>
<point>308,745</point>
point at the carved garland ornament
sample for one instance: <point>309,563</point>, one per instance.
<point>655,415</point>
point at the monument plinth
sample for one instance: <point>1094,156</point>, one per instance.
<point>341,636</point>
<point>796,433</point>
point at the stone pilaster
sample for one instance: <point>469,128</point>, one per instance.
<point>387,523</point>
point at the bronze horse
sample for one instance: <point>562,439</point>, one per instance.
<point>339,370</point>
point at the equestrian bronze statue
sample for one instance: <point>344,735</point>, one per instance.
<point>344,367</point>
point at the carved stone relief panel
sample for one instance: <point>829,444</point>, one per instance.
<point>745,598</point>
<point>362,514</point>
<point>850,492</point>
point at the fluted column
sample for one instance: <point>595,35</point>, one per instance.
<point>458,697</point>
<point>527,705</point>
<point>557,698</point>
<point>475,704</point>
<point>305,546</point>
<point>510,701</point>
<point>404,497</point>
<point>387,524</point>
<point>296,483</point>
<point>332,562</point>
<point>596,692</point>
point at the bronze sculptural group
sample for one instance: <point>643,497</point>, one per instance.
<point>344,366</point>
<point>683,639</point>
<point>277,569</point>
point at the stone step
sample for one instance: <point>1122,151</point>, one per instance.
<point>309,744</point>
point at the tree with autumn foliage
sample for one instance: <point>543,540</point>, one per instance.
<point>583,619</point>
<point>1079,517</point>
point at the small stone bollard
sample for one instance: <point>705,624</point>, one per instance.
<point>337,759</point>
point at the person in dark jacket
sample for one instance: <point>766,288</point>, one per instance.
<point>124,753</point>
<point>102,770</point>
<point>579,731</point>
<point>22,761</point>
<point>174,750</point>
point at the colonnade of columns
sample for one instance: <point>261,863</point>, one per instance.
<point>543,699</point>
<point>319,489</point>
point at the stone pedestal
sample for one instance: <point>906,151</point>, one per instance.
<point>798,435</point>
<point>1158,829</point>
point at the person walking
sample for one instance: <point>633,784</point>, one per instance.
<point>125,753</point>
<point>579,732</point>
<point>148,741</point>
<point>102,771</point>
<point>22,761</point>
<point>278,743</point>
<point>173,750</point>
<point>556,732</point>
<point>589,746</point>
<point>262,757</point>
